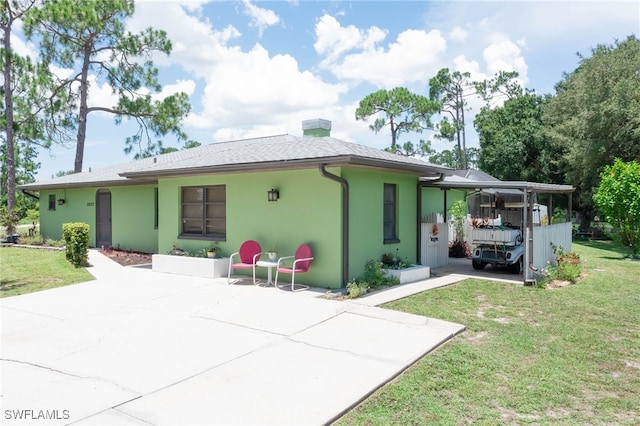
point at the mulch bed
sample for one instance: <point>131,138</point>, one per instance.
<point>126,257</point>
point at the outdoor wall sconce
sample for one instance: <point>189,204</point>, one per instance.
<point>273,195</point>
<point>61,201</point>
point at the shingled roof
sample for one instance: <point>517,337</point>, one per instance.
<point>281,152</point>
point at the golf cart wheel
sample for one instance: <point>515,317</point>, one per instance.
<point>478,265</point>
<point>514,268</point>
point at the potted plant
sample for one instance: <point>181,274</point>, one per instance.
<point>213,250</point>
<point>272,253</point>
<point>177,251</point>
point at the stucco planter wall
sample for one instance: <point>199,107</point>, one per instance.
<point>192,266</point>
<point>409,275</point>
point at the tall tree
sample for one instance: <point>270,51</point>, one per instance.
<point>27,100</point>
<point>450,90</point>
<point>10,13</point>
<point>403,112</point>
<point>513,144</point>
<point>90,37</point>
<point>618,197</point>
<point>595,116</point>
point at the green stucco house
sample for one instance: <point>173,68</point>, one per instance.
<point>350,202</point>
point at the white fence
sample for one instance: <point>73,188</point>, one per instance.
<point>543,236</point>
<point>435,244</point>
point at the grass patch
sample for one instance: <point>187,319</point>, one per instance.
<point>528,356</point>
<point>27,270</point>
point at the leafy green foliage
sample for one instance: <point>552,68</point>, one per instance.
<point>28,102</point>
<point>9,219</point>
<point>76,239</point>
<point>91,37</point>
<point>403,112</point>
<point>595,116</point>
<point>565,271</point>
<point>513,144</point>
<point>458,212</point>
<point>618,197</point>
<point>450,90</point>
<point>357,289</point>
<point>374,276</point>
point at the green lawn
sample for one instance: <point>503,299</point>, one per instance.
<point>27,270</point>
<point>529,356</point>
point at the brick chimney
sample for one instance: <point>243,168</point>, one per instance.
<point>316,127</point>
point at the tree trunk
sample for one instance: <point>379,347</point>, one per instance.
<point>464,139</point>
<point>10,159</point>
<point>84,110</point>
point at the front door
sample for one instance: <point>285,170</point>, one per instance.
<point>103,218</point>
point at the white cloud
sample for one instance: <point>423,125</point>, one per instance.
<point>505,55</point>
<point>414,56</point>
<point>333,40</point>
<point>260,18</point>
<point>254,88</point>
<point>458,34</point>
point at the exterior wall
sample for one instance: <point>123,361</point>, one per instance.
<point>366,217</point>
<point>308,211</point>
<point>79,206</point>
<point>132,213</point>
<point>433,200</point>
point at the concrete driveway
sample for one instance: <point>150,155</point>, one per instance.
<point>136,347</point>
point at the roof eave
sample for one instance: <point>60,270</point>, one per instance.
<point>338,161</point>
<point>521,185</point>
<point>73,185</point>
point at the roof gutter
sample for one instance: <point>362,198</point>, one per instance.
<point>345,220</point>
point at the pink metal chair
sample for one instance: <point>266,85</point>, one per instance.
<point>301,263</point>
<point>249,254</point>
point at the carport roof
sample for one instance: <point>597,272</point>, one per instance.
<point>458,182</point>
<point>281,152</point>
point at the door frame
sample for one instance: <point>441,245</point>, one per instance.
<point>103,240</point>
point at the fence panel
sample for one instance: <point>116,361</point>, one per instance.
<point>543,236</point>
<point>434,245</point>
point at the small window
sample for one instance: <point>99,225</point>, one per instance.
<point>52,201</point>
<point>390,205</point>
<point>204,212</point>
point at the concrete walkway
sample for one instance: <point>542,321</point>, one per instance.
<point>136,347</point>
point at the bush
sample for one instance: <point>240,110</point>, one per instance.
<point>76,239</point>
<point>9,219</point>
<point>618,197</point>
<point>376,276</point>
<point>357,289</point>
<point>459,248</point>
<point>565,271</point>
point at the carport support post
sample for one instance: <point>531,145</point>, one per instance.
<point>525,228</point>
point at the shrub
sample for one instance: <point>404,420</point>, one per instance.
<point>76,239</point>
<point>618,197</point>
<point>356,289</point>
<point>565,271</point>
<point>459,248</point>
<point>9,219</point>
<point>376,276</point>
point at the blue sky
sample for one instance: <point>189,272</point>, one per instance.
<point>260,68</point>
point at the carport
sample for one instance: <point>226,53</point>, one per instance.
<point>538,239</point>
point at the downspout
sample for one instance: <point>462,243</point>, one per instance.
<point>423,184</point>
<point>345,220</point>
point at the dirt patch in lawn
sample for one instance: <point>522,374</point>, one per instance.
<point>127,258</point>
